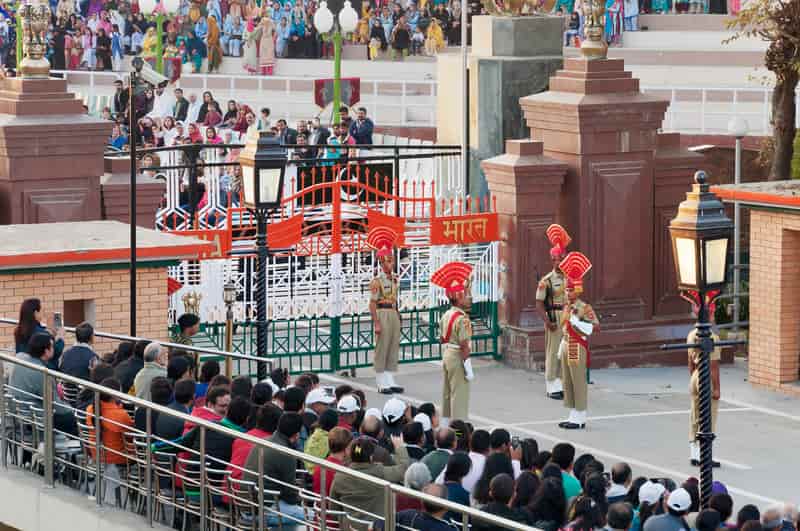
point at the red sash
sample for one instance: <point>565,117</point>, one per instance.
<point>450,325</point>
<point>581,341</point>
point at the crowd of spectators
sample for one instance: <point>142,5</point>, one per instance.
<point>551,489</point>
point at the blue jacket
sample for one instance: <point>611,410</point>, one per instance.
<point>362,131</point>
<point>76,360</point>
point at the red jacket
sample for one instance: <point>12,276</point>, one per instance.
<point>241,449</point>
<point>201,413</point>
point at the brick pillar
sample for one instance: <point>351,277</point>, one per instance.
<point>774,345</point>
<point>527,187</point>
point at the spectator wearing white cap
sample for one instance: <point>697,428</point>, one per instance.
<point>394,413</point>
<point>678,504</point>
<point>348,408</point>
<point>318,401</point>
<point>651,494</point>
<point>373,412</point>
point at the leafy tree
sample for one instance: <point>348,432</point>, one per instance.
<point>778,23</point>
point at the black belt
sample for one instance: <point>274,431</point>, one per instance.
<point>556,307</point>
<point>385,306</point>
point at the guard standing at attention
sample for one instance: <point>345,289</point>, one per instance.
<point>384,311</point>
<point>578,321</point>
<point>455,334</point>
<point>694,373</point>
<point>550,299</point>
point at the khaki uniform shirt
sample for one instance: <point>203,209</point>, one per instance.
<point>694,356</point>
<point>555,283</point>
<point>461,330</point>
<point>383,289</point>
<point>584,313</point>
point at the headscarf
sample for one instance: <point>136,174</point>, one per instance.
<point>241,124</point>
<point>194,133</point>
<point>213,30</point>
<point>251,25</point>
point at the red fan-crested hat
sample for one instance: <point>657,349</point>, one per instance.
<point>559,239</point>
<point>452,277</point>
<point>693,298</point>
<point>575,265</point>
<point>382,240</point>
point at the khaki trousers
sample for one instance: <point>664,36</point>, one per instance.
<point>694,413</point>
<point>552,343</point>
<point>455,391</point>
<point>574,378</point>
<point>387,343</point>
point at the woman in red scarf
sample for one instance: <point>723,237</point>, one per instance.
<point>194,134</point>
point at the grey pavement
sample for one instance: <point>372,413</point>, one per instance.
<point>637,415</point>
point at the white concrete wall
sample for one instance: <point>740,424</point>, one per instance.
<point>28,505</point>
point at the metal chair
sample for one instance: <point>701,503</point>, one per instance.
<point>216,490</point>
<point>166,492</point>
<point>189,472</point>
<point>244,504</point>
<point>353,522</point>
<point>71,392</point>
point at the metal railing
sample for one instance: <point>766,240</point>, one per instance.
<point>389,102</point>
<point>147,475</point>
<point>707,110</point>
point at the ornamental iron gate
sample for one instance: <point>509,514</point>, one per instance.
<point>319,266</point>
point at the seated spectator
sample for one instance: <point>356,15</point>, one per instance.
<point>651,498</point>
<point>114,422</point>
<point>161,394</point>
<point>155,364</point>
<point>280,470</point>
<point>394,416</point>
<point>747,513</point>
<point>436,461</point>
<point>428,427</point>
<point>573,29</point>
<point>563,456</point>
<point>317,402</point>
<point>353,493</point>
<point>772,518</point>
<point>169,427</point>
<point>241,386</point>
<point>317,443</point>
<point>525,487</point>
<point>585,515</point>
<point>267,418</point>
<point>414,437</point>
<point>260,395</point>
<point>430,518</point>
<point>708,520</point>
<point>79,359</point>
<point>678,504</point>
<point>458,467</point>
<point>621,477</point>
<point>496,464</point>
<point>338,441</point>
<point>179,368</point>
<point>126,371</point>
<point>208,370</point>
<point>530,449</point>
<point>99,372</point>
<point>501,443</point>
<point>372,427</point>
<point>215,408</point>
<point>28,385</point>
<point>479,449</point>
<point>463,434</point>
<point>501,489</point>
<point>416,478</point>
<point>348,408</point>
<point>548,508</point>
<point>722,503</point>
<point>620,517</point>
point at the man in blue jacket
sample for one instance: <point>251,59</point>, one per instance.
<point>361,128</point>
<point>79,359</point>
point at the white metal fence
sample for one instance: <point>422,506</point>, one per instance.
<point>696,110</point>
<point>389,102</point>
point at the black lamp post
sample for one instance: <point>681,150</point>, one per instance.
<point>138,64</point>
<point>263,162</point>
<point>701,234</point>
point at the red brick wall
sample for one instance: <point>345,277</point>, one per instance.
<point>108,288</point>
<point>774,346</point>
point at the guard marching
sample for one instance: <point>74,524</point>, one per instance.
<point>694,373</point>
<point>384,311</point>
<point>550,299</point>
<point>578,321</point>
<point>455,334</point>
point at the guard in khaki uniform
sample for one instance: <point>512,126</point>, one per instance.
<point>384,311</point>
<point>578,321</point>
<point>455,334</point>
<point>550,299</point>
<point>694,375</point>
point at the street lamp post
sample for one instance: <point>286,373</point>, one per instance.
<point>229,296</point>
<point>325,22</point>
<point>738,128</point>
<point>137,64</point>
<point>701,234</point>
<point>263,162</point>
<point>161,8</point>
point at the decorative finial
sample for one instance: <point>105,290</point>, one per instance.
<point>594,46</point>
<point>35,18</point>
<point>700,177</point>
